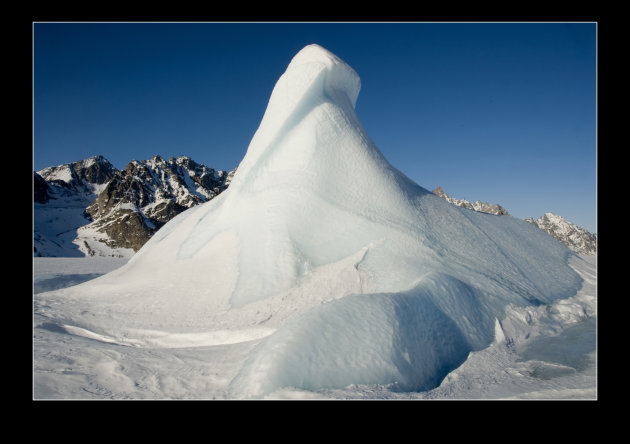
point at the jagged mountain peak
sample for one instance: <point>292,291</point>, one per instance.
<point>552,217</point>
<point>95,170</point>
<point>85,176</point>
<point>438,191</point>
<point>98,159</point>
<point>578,239</point>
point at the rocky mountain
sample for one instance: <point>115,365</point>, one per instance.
<point>91,208</point>
<point>483,207</point>
<point>578,239</point>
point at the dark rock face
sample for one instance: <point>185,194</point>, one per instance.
<point>123,188</point>
<point>41,190</point>
<point>126,229</point>
<point>141,199</point>
<point>96,170</point>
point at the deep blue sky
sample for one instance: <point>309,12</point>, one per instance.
<point>499,112</point>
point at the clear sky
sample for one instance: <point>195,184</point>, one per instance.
<point>499,112</point>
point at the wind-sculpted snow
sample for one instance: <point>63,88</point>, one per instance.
<point>349,272</point>
<point>409,339</point>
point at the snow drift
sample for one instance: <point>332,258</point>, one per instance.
<point>348,270</point>
<point>412,339</point>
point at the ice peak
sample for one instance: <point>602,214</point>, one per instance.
<point>313,63</point>
<point>315,95</point>
<point>316,54</point>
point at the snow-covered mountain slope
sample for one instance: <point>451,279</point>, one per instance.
<point>578,239</point>
<point>61,196</point>
<point>90,208</point>
<point>330,264</point>
<point>484,207</point>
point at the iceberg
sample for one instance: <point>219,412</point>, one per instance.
<point>342,269</point>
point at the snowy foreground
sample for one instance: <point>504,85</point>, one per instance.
<point>324,272</point>
<point>551,354</point>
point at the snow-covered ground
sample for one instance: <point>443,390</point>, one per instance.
<point>550,353</point>
<point>53,273</point>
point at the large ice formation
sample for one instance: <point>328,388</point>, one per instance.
<point>342,268</point>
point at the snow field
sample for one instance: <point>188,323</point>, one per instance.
<point>69,366</point>
<point>53,273</point>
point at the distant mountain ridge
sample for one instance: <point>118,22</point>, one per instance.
<point>91,208</point>
<point>483,207</point>
<point>578,239</point>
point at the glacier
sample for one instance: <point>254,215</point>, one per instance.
<point>335,266</point>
